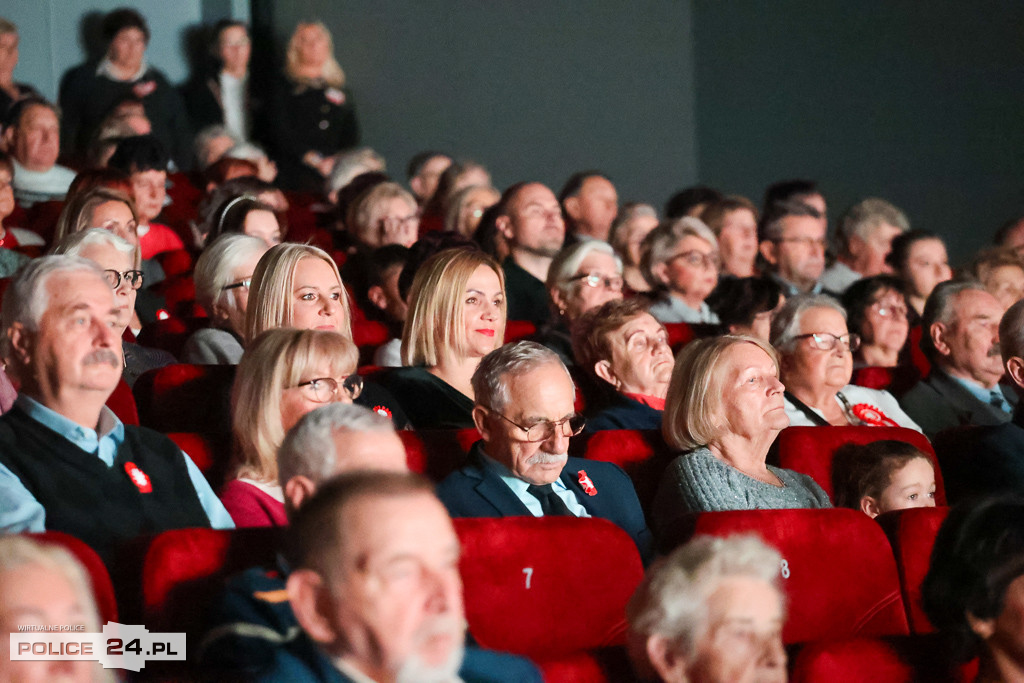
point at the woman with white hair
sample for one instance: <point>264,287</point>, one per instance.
<point>710,612</point>
<point>581,277</point>
<point>311,114</point>
<point>816,351</point>
<point>223,275</point>
<point>681,262</point>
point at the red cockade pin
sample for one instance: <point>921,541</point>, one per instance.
<point>587,484</point>
<point>872,415</point>
<point>382,410</point>
<point>138,477</point>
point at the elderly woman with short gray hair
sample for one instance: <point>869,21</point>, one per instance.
<point>723,411</point>
<point>816,359</point>
<point>681,261</point>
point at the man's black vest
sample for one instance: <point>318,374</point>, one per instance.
<point>147,490</point>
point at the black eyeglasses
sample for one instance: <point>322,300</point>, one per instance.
<point>324,389</point>
<point>246,283</point>
<point>542,431</point>
<point>132,277</point>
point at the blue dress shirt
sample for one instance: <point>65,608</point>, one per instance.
<point>985,395</point>
<point>532,503</point>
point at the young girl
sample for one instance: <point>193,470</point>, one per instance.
<point>882,476</point>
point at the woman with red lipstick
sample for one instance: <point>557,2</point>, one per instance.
<point>456,317</point>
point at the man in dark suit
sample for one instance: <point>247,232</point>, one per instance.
<point>961,339</point>
<point>525,413</point>
<point>986,460</point>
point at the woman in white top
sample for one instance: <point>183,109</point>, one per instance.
<point>816,352</point>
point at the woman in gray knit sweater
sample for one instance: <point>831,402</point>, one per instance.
<point>724,409</point>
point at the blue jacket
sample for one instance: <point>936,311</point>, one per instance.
<point>624,412</point>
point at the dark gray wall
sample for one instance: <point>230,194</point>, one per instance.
<point>919,103</point>
<point>530,89</point>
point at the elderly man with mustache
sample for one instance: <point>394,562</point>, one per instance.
<point>66,462</point>
<point>525,413</point>
<point>961,339</point>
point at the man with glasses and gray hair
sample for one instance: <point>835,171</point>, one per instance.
<point>792,236</point>
<point>525,414</point>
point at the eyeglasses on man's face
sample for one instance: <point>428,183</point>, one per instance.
<point>132,277</point>
<point>325,389</point>
<point>546,429</point>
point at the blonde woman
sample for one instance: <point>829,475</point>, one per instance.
<point>456,317</point>
<point>312,115</point>
<point>283,375</point>
<point>298,285</point>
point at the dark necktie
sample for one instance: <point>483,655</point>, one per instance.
<point>997,400</point>
<point>550,504</point>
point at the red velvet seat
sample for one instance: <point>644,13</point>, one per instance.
<point>679,335</point>
<point>186,398</point>
<point>175,263</point>
<point>912,535</point>
<point>642,454</point>
<point>810,450</point>
<point>896,380</point>
<point>839,573</point>
<point>437,452</point>
<point>180,296</point>
<point>122,403</point>
<point>879,660</point>
<point>553,589</point>
<point>519,329</point>
<point>171,334</point>
<point>920,361</point>
<point>102,587</point>
<point>202,452</point>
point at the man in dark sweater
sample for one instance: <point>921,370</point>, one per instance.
<point>66,462</point>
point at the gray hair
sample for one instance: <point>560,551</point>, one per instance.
<point>619,233</point>
<point>660,244</point>
<point>490,383</point>
<point>866,216</point>
<point>27,298</point>
<point>565,264</point>
<point>246,150</point>
<point>205,137</point>
<point>308,449</point>
<point>941,308</point>
<point>351,164</point>
<point>74,243</point>
<point>1011,332</point>
<point>216,265</point>
<point>786,324</point>
<point>672,599</point>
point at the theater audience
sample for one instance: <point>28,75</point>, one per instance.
<point>876,310</point>
<point>247,215</point>
<point>32,138</point>
<point>712,611</point>
<point>961,341</point>
<point>120,262</point>
<point>520,467</point>
<point>1001,271</point>
<point>68,463</point>
<point>919,259</point>
<point>283,375</point>
<point>10,91</point>
<point>864,236</point>
<point>723,411</point>
<point>816,361</point>
<point>213,203</point>
<point>627,351</point>
<point>590,203</point>
<point>733,220</point>
<point>747,305</point>
<point>380,298</point>
<point>220,93</point>
<point>11,237</point>
<point>456,316</point>
<point>98,207</point>
<point>44,585</point>
<point>690,201</point>
<point>460,174</point>
<point>467,206</point>
<point>89,92</point>
<point>298,285</point>
<point>792,238</point>
<point>882,476</point>
<point>223,276</point>
<point>631,226</point>
<point>529,219</point>
<point>383,214</point>
<point>311,115</point>
<point>423,173</point>
<point>143,158</point>
<point>347,166</point>
<point>974,590</point>
<point>681,262</point>
<point>799,190</point>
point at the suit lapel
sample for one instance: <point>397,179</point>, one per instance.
<point>492,489</point>
<point>570,477</point>
<point>977,412</point>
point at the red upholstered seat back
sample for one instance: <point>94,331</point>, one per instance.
<point>912,535</point>
<point>201,450</point>
<point>518,329</point>
<point>102,587</point>
<point>185,398</point>
<point>642,454</point>
<point>175,262</point>
<point>920,361</point>
<point>810,450</point>
<point>839,574</point>
<point>179,293</point>
<point>122,403</point>
<point>889,660</point>
<point>547,587</point>
<point>679,335</point>
<point>437,452</point>
<point>872,377</point>
<point>171,334</point>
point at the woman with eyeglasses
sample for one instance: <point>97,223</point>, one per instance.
<point>298,285</point>
<point>581,277</point>
<point>877,310</point>
<point>723,411</point>
<point>681,261</point>
<point>456,317</point>
<point>223,275</point>
<point>120,261</point>
<point>284,374</point>
<point>816,351</point>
